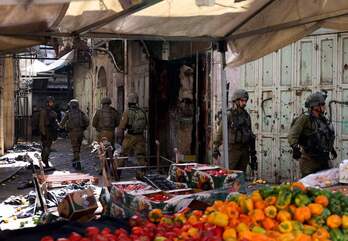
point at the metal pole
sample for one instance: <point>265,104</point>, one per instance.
<point>222,50</point>
<point>176,155</point>
<point>158,154</point>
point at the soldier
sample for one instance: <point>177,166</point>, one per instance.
<point>134,121</point>
<point>312,137</point>
<point>75,122</point>
<point>241,140</point>
<point>106,120</point>
<point>48,129</point>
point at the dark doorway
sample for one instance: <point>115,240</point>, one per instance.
<point>176,118</point>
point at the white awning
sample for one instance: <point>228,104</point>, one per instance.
<point>38,66</point>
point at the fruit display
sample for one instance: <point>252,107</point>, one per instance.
<point>131,186</point>
<point>158,197</point>
<point>162,182</point>
<point>217,173</point>
<point>210,177</point>
<point>181,172</point>
<point>288,212</point>
<point>185,191</point>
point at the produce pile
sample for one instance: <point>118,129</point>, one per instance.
<point>161,182</point>
<point>288,212</point>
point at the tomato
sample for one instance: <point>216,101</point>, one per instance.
<point>137,231</point>
<point>92,231</point>
<point>75,236</point>
<point>62,239</point>
<point>106,231</point>
<point>120,232</point>
<point>47,238</point>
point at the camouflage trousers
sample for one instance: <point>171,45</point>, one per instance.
<point>76,138</point>
<point>308,165</point>
<point>134,145</point>
<point>46,142</point>
<point>238,156</point>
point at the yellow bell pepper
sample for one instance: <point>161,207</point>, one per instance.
<point>242,227</point>
<point>271,211</point>
<point>285,227</point>
<point>218,218</point>
<point>345,221</point>
<point>247,205</point>
<point>229,233</point>
<point>256,196</point>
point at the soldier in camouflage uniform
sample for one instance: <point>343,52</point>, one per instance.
<point>48,126</point>
<point>106,120</point>
<point>133,120</point>
<point>75,122</point>
<point>312,137</point>
<point>241,140</point>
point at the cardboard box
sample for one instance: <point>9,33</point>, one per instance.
<point>181,172</point>
<point>78,205</point>
<point>202,179</point>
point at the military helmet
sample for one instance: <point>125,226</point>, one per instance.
<point>106,101</point>
<point>132,98</point>
<point>50,98</point>
<point>74,104</point>
<point>315,99</point>
<point>239,94</point>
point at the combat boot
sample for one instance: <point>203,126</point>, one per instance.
<point>77,163</point>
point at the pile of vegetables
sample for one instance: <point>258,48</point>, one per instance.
<point>288,212</point>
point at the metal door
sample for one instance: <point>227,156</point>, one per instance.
<point>278,85</point>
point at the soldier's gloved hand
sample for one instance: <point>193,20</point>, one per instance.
<point>333,154</point>
<point>296,151</point>
<point>253,162</point>
<point>216,154</point>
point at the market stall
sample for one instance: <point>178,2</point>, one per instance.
<point>282,212</point>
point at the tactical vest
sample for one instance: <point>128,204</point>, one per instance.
<point>51,119</point>
<point>136,121</point>
<point>108,119</point>
<point>52,124</point>
<point>239,127</point>
<point>75,120</point>
<point>321,140</point>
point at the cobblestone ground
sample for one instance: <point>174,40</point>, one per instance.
<point>60,158</point>
<point>61,161</point>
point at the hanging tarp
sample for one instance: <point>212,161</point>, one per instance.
<point>185,18</point>
<point>27,18</point>
<point>83,13</point>
<point>281,12</point>
<point>253,28</point>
